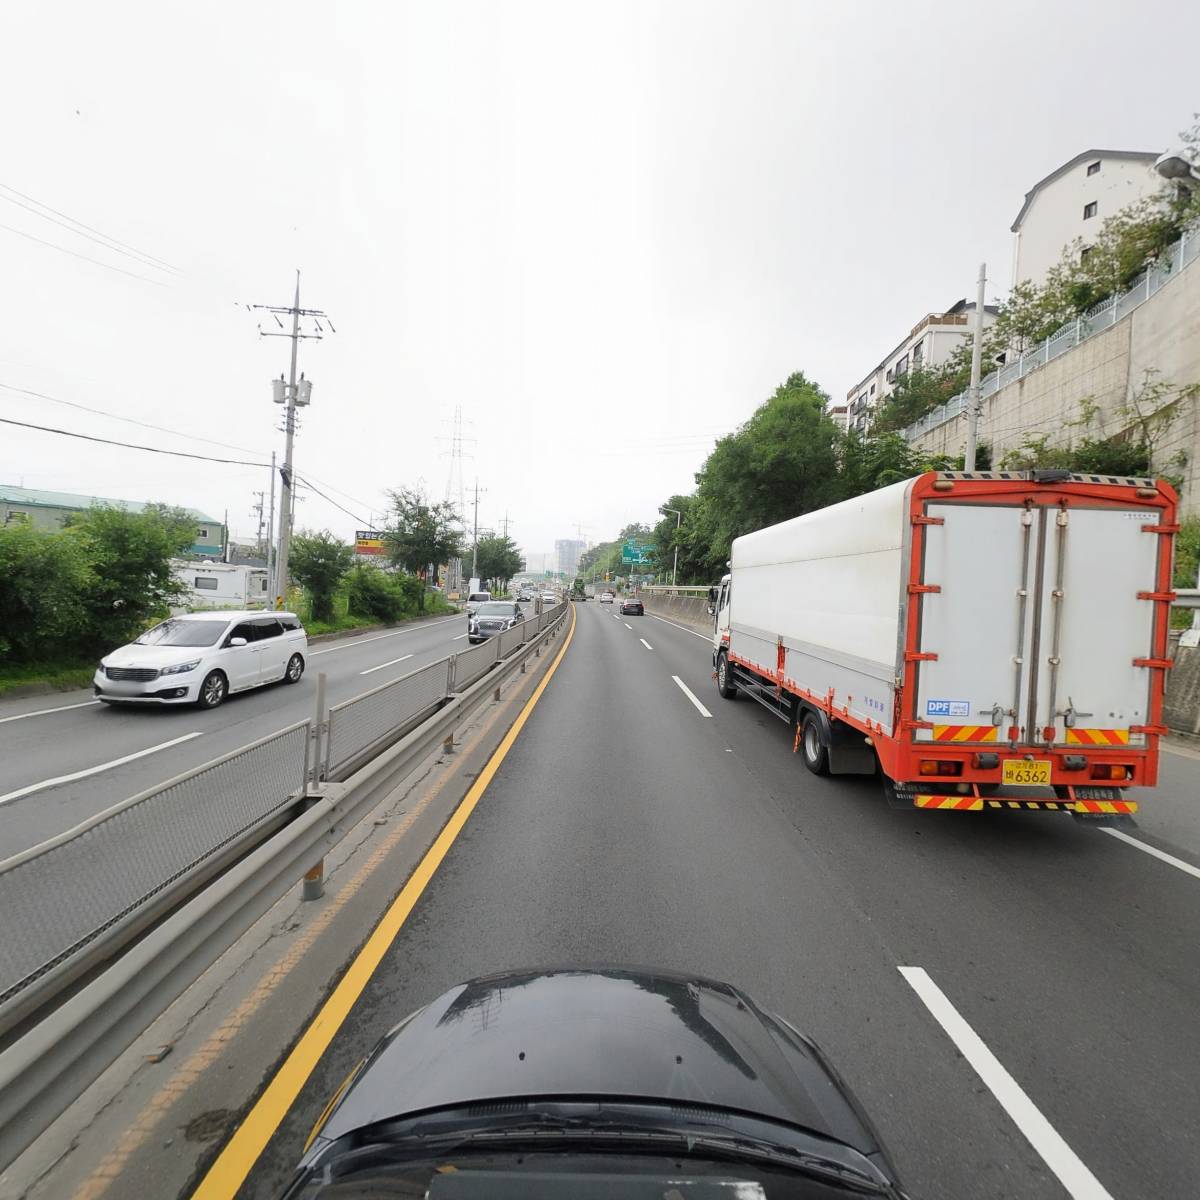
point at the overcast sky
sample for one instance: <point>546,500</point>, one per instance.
<point>607,231</point>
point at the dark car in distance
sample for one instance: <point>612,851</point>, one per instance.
<point>632,608</point>
<point>594,1081</point>
<point>492,617</point>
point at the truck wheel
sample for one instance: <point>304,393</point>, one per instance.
<point>816,757</point>
<point>724,678</point>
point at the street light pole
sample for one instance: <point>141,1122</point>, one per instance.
<point>975,400</point>
<point>678,519</point>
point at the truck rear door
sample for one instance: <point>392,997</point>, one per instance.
<point>1036,618</point>
<point>1093,626</point>
<point>977,561</point>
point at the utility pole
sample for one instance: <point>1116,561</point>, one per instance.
<point>294,394</point>
<point>271,528</point>
<point>477,491</point>
<point>259,510</point>
<point>505,523</point>
<point>975,400</point>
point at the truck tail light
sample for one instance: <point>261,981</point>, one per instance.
<point>1111,771</point>
<point>940,766</point>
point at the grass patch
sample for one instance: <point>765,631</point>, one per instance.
<point>62,676</point>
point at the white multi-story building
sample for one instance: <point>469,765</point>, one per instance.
<point>1073,201</point>
<point>839,414</point>
<point>928,344</point>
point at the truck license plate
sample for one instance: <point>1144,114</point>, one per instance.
<point>1021,773</point>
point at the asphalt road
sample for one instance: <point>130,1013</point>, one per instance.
<point>47,738</point>
<point>627,826</point>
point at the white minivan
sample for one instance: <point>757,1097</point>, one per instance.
<point>199,658</point>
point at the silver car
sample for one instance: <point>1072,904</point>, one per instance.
<point>200,658</point>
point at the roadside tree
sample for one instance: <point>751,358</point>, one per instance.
<point>319,562</point>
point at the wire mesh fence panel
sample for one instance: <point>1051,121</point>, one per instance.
<point>509,640</point>
<point>355,725</point>
<point>469,665</point>
<point>57,901</point>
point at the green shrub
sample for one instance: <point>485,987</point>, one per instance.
<point>375,593</point>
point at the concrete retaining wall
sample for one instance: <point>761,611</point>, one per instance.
<point>1162,335</point>
<point>687,610</point>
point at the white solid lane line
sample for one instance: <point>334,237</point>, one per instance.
<point>41,712</point>
<point>394,661</point>
<point>349,645</point>
<point>687,691</point>
<point>1041,1135</point>
<point>1148,849</point>
<point>116,762</point>
<point>683,627</point>
<point>645,643</point>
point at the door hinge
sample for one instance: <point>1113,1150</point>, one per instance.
<point>923,520</point>
<point>1158,664</point>
<point>920,656</point>
<point>1161,730</point>
<point>909,723</point>
<point>1160,528</point>
<point>1165,597</point>
<point>916,589</point>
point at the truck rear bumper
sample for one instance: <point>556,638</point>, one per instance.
<point>1082,801</point>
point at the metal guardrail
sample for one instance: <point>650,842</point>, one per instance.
<point>67,903</point>
<point>58,1058</point>
<point>359,726</point>
<point>1103,315</point>
<point>67,906</point>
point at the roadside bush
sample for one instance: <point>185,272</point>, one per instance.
<point>375,593</point>
<point>319,562</point>
<point>129,555</point>
<point>44,579</point>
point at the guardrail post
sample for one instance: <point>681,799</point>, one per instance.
<point>320,734</point>
<point>450,674</point>
<point>314,882</point>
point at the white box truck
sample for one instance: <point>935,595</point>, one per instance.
<point>993,640</point>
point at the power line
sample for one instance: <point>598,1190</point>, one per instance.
<point>87,437</point>
<point>116,241</point>
<point>92,235</point>
<point>308,484</point>
<point>8,387</point>
<point>76,254</point>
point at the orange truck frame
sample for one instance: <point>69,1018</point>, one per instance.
<point>993,640</point>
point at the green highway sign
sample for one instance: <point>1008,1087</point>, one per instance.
<point>636,552</point>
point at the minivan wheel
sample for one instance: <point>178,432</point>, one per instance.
<point>295,669</point>
<point>213,690</point>
<point>725,684</point>
<point>816,757</point>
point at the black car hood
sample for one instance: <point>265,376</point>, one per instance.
<point>604,1032</point>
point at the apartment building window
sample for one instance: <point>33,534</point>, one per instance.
<point>918,353</point>
<point>1089,211</point>
<point>1085,253</point>
<point>872,389</point>
<point>862,400</point>
<point>1094,168</point>
<point>902,366</point>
